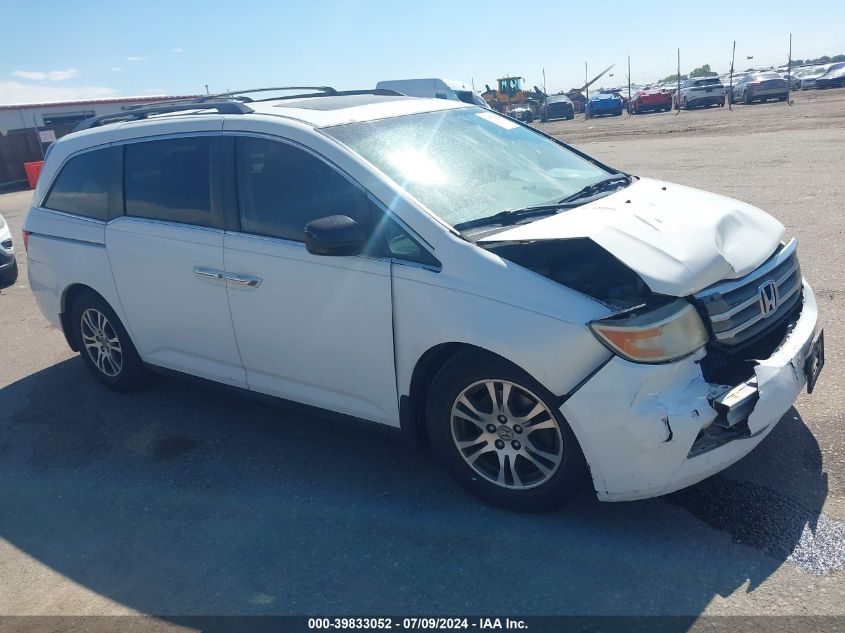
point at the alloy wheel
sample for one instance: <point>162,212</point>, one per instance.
<point>101,342</point>
<point>506,434</point>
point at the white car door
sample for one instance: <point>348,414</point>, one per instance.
<point>310,328</point>
<point>166,254</point>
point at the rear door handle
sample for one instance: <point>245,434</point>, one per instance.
<point>208,272</point>
<point>243,280</point>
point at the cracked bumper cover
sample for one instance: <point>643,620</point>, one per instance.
<point>636,423</point>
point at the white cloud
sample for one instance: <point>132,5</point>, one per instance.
<point>49,75</point>
<point>176,50</point>
<point>136,58</point>
<point>116,69</point>
<point>16,92</point>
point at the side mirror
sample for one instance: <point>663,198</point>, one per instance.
<point>334,235</point>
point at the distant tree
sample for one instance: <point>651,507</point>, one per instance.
<point>824,59</point>
<point>673,78</point>
<point>702,71</point>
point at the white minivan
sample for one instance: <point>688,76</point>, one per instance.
<point>545,322</point>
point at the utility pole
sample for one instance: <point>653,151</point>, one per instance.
<point>629,85</point>
<point>789,72</point>
<point>206,89</point>
<point>587,82</point>
<point>544,82</point>
<point>678,92</point>
<point>731,85</point>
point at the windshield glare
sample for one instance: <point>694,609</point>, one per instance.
<point>468,164</point>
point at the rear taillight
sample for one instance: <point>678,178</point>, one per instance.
<point>25,240</point>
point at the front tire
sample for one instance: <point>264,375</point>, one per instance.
<point>105,345</point>
<point>501,437</point>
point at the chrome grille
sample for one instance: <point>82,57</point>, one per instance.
<point>735,307</point>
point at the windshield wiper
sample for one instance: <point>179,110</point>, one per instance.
<point>599,187</point>
<point>512,216</point>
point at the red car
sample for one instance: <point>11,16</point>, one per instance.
<point>653,99</point>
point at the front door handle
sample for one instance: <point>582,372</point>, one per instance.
<point>244,280</point>
<point>208,272</point>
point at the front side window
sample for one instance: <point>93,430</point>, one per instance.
<point>281,188</point>
<point>169,180</point>
<point>468,164</point>
<point>82,187</point>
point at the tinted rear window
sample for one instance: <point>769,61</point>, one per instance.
<point>82,187</point>
<point>169,180</point>
<point>708,82</point>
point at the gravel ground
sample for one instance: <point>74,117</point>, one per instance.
<point>186,500</point>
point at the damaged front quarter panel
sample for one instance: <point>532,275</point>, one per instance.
<point>636,422</point>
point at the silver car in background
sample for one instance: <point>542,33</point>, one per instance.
<point>808,80</point>
<point>761,86</point>
<point>833,78</point>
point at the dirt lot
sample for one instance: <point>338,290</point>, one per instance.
<point>186,500</point>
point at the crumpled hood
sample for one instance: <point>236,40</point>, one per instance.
<point>678,239</point>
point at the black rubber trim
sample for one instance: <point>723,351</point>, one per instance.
<point>561,399</point>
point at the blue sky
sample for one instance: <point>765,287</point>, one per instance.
<point>60,50</point>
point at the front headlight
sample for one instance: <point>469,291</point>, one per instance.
<point>665,334</point>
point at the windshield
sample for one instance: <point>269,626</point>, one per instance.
<point>468,164</point>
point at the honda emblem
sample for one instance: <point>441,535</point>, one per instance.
<point>768,297</point>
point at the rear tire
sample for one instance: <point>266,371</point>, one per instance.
<point>9,276</point>
<point>104,344</point>
<point>530,460</point>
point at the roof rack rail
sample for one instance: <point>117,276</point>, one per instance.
<point>323,90</point>
<point>136,114</point>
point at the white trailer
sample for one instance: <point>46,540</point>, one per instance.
<point>449,89</point>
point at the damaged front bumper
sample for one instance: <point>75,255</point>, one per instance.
<point>647,430</point>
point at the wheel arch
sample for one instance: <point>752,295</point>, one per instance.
<point>68,297</point>
<point>412,407</point>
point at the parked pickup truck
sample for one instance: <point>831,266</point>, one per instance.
<point>700,92</point>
